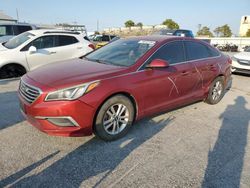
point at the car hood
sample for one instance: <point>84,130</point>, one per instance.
<point>73,72</point>
<point>243,56</point>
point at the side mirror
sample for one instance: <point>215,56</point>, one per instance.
<point>32,49</point>
<point>158,63</point>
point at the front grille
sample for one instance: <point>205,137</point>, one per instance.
<point>28,92</point>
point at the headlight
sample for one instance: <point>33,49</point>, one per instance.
<point>71,93</point>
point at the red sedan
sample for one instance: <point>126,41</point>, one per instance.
<point>110,88</point>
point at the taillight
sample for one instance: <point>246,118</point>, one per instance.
<point>229,60</point>
<point>92,46</point>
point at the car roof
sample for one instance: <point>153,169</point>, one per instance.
<point>157,38</point>
<point>18,24</point>
<point>53,31</point>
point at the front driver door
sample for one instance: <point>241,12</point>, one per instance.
<point>165,88</point>
<point>47,52</point>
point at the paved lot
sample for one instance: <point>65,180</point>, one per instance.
<point>196,146</point>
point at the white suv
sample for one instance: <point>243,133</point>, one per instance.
<point>241,62</point>
<point>36,48</point>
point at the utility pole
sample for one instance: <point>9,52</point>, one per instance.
<point>17,15</point>
<point>97,25</point>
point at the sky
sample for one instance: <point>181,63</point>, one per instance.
<point>114,13</point>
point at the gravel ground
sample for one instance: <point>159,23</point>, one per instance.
<point>199,145</point>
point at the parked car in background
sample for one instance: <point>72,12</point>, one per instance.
<point>175,32</point>
<point>108,89</point>
<point>241,62</point>
<point>102,40</point>
<point>8,31</point>
<point>36,48</point>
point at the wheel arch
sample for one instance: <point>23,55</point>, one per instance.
<point>16,64</point>
<point>124,93</point>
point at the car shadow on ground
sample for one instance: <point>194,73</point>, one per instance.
<point>93,158</point>
<point>10,113</point>
<point>226,159</point>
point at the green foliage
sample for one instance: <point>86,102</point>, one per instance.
<point>171,24</point>
<point>248,33</point>
<point>205,31</point>
<point>129,23</point>
<point>223,31</point>
<point>97,33</point>
<point>139,24</point>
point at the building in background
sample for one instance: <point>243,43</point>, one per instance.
<point>6,19</point>
<point>244,25</point>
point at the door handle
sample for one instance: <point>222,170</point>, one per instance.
<point>52,52</point>
<point>212,67</point>
<point>184,73</point>
<point>79,47</point>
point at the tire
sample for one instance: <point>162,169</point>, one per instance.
<point>11,71</point>
<point>115,118</point>
<point>216,91</point>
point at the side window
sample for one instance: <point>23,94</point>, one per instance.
<point>64,40</point>
<point>172,52</point>
<point>213,52</point>
<point>22,29</point>
<point>44,42</point>
<point>195,50</point>
<point>6,30</point>
<point>105,38</point>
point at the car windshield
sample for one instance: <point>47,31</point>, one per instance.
<point>18,40</point>
<point>123,52</point>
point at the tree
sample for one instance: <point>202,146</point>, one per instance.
<point>217,31</point>
<point>248,33</point>
<point>129,23</point>
<point>139,24</point>
<point>223,31</point>
<point>205,31</point>
<point>171,24</point>
<point>97,33</point>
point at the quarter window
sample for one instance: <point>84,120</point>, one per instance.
<point>172,52</point>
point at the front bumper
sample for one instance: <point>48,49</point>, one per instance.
<point>240,68</point>
<point>39,112</point>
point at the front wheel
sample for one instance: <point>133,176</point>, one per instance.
<point>114,118</point>
<point>216,91</point>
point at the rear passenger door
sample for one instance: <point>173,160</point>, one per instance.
<point>200,56</point>
<point>68,47</point>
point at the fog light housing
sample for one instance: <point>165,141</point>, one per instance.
<point>61,121</point>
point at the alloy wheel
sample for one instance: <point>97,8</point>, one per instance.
<point>116,119</point>
<point>217,90</point>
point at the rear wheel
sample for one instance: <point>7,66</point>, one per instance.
<point>216,91</point>
<point>11,71</point>
<point>114,118</point>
